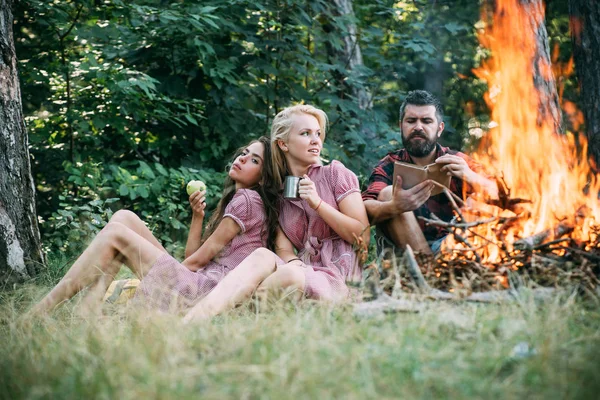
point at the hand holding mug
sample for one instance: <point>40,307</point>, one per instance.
<point>308,191</point>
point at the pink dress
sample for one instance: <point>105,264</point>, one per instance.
<point>170,286</point>
<point>328,259</point>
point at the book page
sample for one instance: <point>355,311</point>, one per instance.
<point>413,174</point>
<point>435,173</point>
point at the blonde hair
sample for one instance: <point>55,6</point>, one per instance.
<point>280,130</point>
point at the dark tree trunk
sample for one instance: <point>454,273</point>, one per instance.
<point>350,55</point>
<point>21,256</point>
<point>543,78</point>
<point>585,32</point>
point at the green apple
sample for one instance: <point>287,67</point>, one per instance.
<point>194,186</point>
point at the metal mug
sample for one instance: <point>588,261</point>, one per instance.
<point>290,187</point>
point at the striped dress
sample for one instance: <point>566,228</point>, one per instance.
<point>328,259</point>
<point>171,287</point>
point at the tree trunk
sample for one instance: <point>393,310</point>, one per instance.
<point>21,255</point>
<point>352,53</point>
<point>543,78</point>
<point>585,32</point>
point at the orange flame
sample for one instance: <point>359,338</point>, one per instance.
<point>536,161</point>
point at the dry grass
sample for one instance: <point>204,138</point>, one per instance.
<point>305,350</point>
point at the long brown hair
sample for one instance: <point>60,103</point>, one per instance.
<point>265,188</point>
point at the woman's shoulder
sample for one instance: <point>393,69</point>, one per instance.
<point>248,195</point>
<point>337,168</point>
<point>245,205</point>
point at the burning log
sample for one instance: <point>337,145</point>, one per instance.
<point>529,243</point>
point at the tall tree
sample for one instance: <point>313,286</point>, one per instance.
<point>20,249</point>
<point>585,32</point>
<point>543,78</point>
<point>352,53</point>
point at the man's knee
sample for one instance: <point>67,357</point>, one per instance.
<point>386,193</point>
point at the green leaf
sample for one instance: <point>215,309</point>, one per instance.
<point>146,170</point>
<point>161,170</point>
<point>191,119</point>
<point>143,191</point>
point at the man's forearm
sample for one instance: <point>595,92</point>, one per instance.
<point>480,182</point>
<point>379,211</point>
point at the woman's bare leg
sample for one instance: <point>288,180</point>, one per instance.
<point>116,244</point>
<point>135,223</point>
<point>132,221</point>
<point>236,287</point>
<point>289,278</point>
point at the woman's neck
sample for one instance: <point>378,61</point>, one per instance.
<point>298,170</point>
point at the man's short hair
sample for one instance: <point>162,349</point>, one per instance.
<point>422,98</point>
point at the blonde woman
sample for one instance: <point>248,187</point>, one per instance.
<point>317,229</point>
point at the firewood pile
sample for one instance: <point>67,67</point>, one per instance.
<point>482,258</point>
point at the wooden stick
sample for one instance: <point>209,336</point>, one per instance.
<point>547,244</point>
<point>491,296</point>
<point>530,242</point>
<point>587,255</point>
<point>458,199</point>
<point>415,270</point>
<point>484,238</point>
<point>466,243</point>
<point>458,237</point>
<point>385,305</point>
<point>459,225</point>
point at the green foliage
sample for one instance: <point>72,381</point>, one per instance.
<point>157,194</point>
<point>109,85</point>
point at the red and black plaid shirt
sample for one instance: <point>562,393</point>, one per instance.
<point>439,204</point>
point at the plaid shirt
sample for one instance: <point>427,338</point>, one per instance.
<point>439,204</point>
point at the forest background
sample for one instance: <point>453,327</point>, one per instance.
<point>125,102</point>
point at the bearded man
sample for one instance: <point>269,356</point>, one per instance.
<point>395,211</point>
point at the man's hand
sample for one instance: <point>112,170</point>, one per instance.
<point>457,166</point>
<point>410,199</point>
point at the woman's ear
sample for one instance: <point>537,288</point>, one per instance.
<point>282,145</point>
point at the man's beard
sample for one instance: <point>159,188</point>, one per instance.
<point>419,148</point>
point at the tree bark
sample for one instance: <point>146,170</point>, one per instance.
<point>352,53</point>
<point>543,78</point>
<point>585,33</point>
<point>21,255</point>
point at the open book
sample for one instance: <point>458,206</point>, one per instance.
<point>414,174</point>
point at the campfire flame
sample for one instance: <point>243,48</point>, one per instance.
<point>537,163</point>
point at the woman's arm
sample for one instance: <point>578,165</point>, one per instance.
<point>350,220</point>
<point>194,239</point>
<point>225,232</point>
<point>284,247</point>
